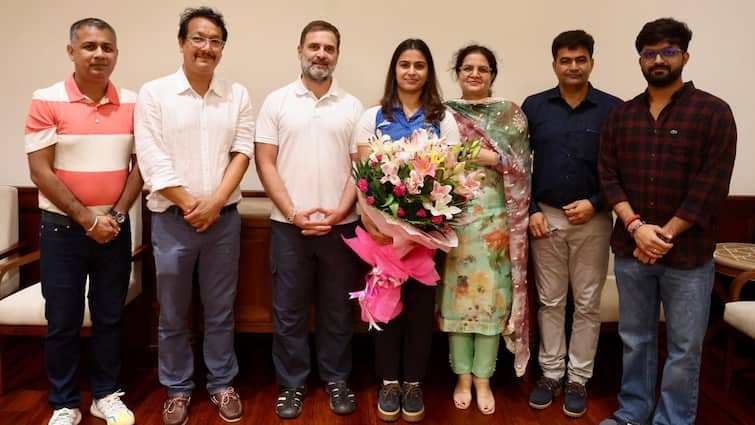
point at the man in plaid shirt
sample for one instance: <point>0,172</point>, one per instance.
<point>665,163</point>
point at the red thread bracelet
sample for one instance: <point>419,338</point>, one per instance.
<point>630,220</point>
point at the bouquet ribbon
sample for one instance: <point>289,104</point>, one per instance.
<point>380,300</point>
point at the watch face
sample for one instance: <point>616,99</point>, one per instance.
<point>119,218</point>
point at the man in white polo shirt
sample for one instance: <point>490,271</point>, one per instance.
<point>304,152</point>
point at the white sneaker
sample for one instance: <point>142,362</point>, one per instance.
<point>112,410</point>
<point>65,416</point>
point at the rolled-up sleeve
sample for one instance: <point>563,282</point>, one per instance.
<point>154,162</point>
<point>710,185</point>
<point>243,141</point>
<point>610,182</point>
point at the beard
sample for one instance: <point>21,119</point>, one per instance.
<point>664,80</point>
<point>317,73</point>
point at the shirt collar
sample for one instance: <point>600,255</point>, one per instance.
<point>182,84</point>
<point>75,95</point>
<point>555,93</point>
<point>686,89</point>
<point>302,90</point>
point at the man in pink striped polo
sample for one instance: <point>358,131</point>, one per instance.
<point>79,140</point>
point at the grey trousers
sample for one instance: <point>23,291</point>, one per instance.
<point>576,256</point>
<point>178,248</point>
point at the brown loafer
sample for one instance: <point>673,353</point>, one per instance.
<point>176,410</point>
<point>229,405</point>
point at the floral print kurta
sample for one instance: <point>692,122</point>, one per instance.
<point>483,289</point>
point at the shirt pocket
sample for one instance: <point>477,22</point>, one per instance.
<point>587,143</point>
<point>678,150</point>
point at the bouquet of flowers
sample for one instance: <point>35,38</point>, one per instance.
<point>414,190</point>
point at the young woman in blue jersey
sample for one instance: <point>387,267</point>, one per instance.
<point>411,101</point>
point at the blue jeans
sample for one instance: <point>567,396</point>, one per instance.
<point>67,257</point>
<point>178,248</point>
<point>685,295</point>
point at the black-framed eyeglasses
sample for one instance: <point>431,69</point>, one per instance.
<point>199,42</point>
<point>666,53</point>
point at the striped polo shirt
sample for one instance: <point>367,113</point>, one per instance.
<point>93,141</point>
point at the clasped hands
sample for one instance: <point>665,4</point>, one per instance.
<point>202,213</point>
<point>105,230</point>
<point>651,245</point>
<point>578,212</point>
<point>317,221</point>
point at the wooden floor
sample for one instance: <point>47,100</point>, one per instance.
<point>25,403</point>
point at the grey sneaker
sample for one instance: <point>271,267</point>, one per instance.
<point>389,402</point>
<point>575,400</point>
<point>545,391</point>
<point>413,402</point>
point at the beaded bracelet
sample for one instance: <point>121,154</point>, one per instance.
<point>634,228</point>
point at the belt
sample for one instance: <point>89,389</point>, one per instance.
<point>174,210</point>
<point>63,220</point>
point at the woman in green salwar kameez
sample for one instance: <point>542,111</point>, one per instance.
<point>483,290</point>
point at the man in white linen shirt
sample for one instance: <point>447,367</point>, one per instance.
<point>304,152</point>
<point>194,132</point>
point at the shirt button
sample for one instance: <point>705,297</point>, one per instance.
<point>655,131</point>
<point>652,179</point>
<point>652,155</point>
<point>652,204</point>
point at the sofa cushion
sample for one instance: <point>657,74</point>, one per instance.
<point>27,306</point>
<point>741,315</point>
<point>8,236</point>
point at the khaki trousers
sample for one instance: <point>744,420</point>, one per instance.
<point>576,256</point>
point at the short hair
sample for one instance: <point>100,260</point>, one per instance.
<point>430,98</point>
<point>465,51</point>
<point>664,29</point>
<point>200,12</point>
<point>571,40</point>
<point>320,25</point>
<point>90,22</point>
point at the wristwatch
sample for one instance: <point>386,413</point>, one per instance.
<point>119,217</point>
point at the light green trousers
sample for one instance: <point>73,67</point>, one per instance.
<point>473,353</point>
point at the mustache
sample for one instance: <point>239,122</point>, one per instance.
<point>656,67</point>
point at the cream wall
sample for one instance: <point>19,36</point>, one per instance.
<point>261,52</point>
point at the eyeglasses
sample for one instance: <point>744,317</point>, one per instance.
<point>468,69</point>
<point>666,53</point>
<point>199,42</point>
